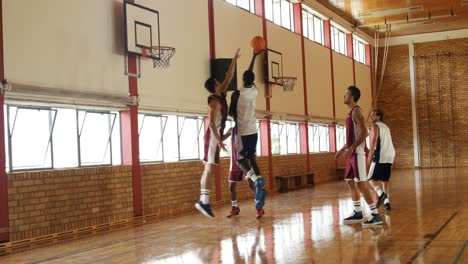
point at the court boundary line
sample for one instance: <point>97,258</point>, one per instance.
<point>460,252</point>
<point>426,245</point>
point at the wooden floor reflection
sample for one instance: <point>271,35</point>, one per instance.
<point>426,225</point>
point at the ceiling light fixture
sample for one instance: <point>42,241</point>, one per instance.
<point>389,12</point>
<point>409,21</point>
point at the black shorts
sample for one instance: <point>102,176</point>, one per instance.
<point>380,172</point>
<point>248,146</point>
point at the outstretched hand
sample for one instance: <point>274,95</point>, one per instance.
<point>237,55</point>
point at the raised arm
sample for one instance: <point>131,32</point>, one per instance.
<point>230,72</point>
<point>252,62</point>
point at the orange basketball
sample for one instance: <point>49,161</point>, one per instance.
<point>258,43</point>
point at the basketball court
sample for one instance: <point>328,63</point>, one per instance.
<point>104,120</point>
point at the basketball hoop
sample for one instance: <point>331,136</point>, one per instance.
<point>161,55</point>
<point>288,83</point>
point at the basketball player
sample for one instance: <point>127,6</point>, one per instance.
<point>245,137</point>
<point>217,115</point>
<point>382,154</point>
<point>354,153</point>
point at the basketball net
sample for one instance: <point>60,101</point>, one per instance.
<point>160,55</point>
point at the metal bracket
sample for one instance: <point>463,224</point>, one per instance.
<point>131,74</point>
<point>135,100</point>
<point>4,86</point>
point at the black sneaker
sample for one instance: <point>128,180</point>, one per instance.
<point>375,220</point>
<point>381,199</point>
<point>205,209</point>
<point>356,217</point>
<point>387,206</point>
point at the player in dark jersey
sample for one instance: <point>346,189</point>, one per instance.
<point>214,136</point>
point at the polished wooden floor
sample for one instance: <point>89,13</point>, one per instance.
<point>428,224</point>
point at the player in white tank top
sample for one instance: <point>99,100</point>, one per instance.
<point>242,109</point>
<point>381,157</point>
<point>246,119</point>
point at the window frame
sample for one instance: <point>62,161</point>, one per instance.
<point>316,127</point>
<point>338,40</point>
<point>10,131</point>
<point>109,140</point>
<point>179,133</point>
<point>290,9</point>
<point>359,51</point>
<point>310,33</point>
<point>251,5</point>
<point>114,123</point>
<point>297,136</point>
<point>340,133</point>
<point>161,141</point>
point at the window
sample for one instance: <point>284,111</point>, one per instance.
<point>95,137</point>
<point>190,137</point>
<point>277,134</point>
<point>338,39</point>
<point>151,130</point>
<point>248,5</point>
<point>65,139</point>
<point>280,12</point>
<point>312,27</point>
<point>284,138</point>
<point>166,138</point>
<point>359,51</point>
<point>319,138</point>
<point>340,137</point>
<point>292,137</point>
<point>30,137</point>
<point>48,138</point>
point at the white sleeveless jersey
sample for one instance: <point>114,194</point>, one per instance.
<point>384,151</point>
<point>246,119</point>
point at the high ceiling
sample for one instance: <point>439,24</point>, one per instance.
<point>406,16</point>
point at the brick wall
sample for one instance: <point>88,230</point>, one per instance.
<point>171,188</point>
<point>324,166</point>
<point>395,102</point>
<point>45,202</point>
<point>441,118</point>
<point>441,83</point>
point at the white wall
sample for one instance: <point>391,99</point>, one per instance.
<point>363,77</point>
<point>73,45</point>
<point>180,87</point>
<point>289,44</point>
<point>343,76</point>
<point>319,82</point>
<point>79,46</point>
<point>235,28</point>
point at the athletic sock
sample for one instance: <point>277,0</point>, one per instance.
<point>357,206</point>
<point>378,190</point>
<point>373,209</point>
<point>234,203</point>
<point>251,174</point>
<point>205,196</point>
